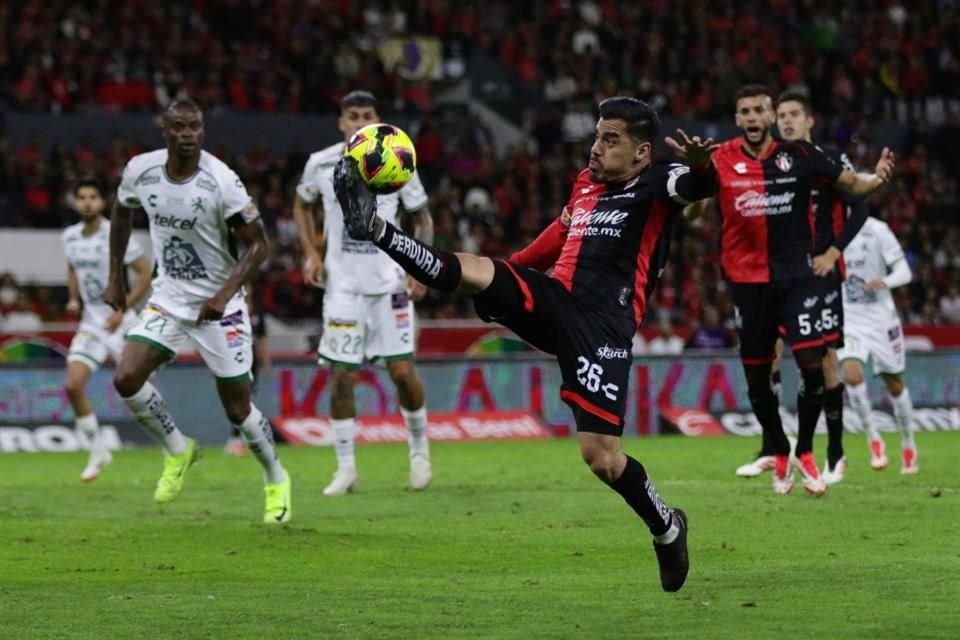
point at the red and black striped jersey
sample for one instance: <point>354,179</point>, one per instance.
<point>612,240</point>
<point>767,227</point>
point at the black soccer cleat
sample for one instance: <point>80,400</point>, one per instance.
<point>358,204</point>
<point>672,558</point>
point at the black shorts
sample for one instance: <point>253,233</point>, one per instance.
<point>764,308</point>
<point>592,348</point>
<point>831,310</point>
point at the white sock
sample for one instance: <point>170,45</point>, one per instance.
<point>860,403</point>
<point>90,428</point>
<point>671,533</point>
<point>903,415</point>
<point>150,410</point>
<point>258,435</point>
<point>343,433</point>
<point>416,422</point>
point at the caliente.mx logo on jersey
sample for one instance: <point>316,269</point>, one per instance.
<point>181,260</point>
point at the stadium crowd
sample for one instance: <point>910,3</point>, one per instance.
<point>862,62</point>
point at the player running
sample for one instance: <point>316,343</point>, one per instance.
<point>368,302</point>
<point>875,265</point>
<point>763,195</point>
<point>835,231</point>
<point>101,331</point>
<point>199,213</point>
<point>607,249</point>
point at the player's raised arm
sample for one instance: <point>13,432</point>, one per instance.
<point>863,184</point>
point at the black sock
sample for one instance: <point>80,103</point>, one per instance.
<point>833,410</point>
<point>767,409</point>
<point>766,442</point>
<point>809,404</point>
<point>637,490</point>
<point>433,267</point>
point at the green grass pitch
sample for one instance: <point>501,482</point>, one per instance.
<point>513,540</point>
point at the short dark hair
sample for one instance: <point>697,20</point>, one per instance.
<point>183,103</point>
<point>358,98</point>
<point>91,183</point>
<point>752,90</point>
<point>642,120</point>
<point>795,95</point>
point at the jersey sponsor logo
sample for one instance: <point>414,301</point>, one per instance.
<point>751,204</point>
<point>830,297</point>
<point>783,161</point>
<point>810,303</point>
<point>403,320</point>
<point>399,300</point>
<point>349,245</point>
<point>420,255</point>
<point>181,260</point>
<point>206,184</point>
<point>146,179</point>
<point>606,352</point>
<point>232,320</point>
<point>198,205</point>
<point>740,167</point>
<point>586,222</point>
<point>92,287</point>
<point>173,222</point>
<point>893,333</point>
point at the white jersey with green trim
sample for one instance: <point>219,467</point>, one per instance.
<point>192,243</point>
<point>90,258</point>
<point>869,256</point>
<point>355,266</point>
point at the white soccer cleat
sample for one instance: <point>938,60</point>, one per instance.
<point>835,475</point>
<point>782,475</point>
<point>95,464</point>
<point>878,454</point>
<point>910,465</point>
<point>806,464</point>
<point>344,481</point>
<point>420,472</point>
<point>756,467</point>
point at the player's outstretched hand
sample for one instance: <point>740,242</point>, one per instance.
<point>211,310</point>
<point>886,164</point>
<point>694,151</point>
<point>115,296</point>
<point>313,273</point>
<point>358,204</point>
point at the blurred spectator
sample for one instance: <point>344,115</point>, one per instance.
<point>22,317</point>
<point>666,342</point>
<point>710,334</point>
<point>950,304</point>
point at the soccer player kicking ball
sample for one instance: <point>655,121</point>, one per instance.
<point>607,250</point>
<point>368,300</point>
<point>763,194</point>
<point>875,265</point>
<point>198,211</point>
<point>101,331</point>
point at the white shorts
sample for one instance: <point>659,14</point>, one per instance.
<point>882,342</point>
<point>226,345</point>
<point>92,345</point>
<point>358,327</point>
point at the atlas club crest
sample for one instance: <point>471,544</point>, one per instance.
<point>783,161</point>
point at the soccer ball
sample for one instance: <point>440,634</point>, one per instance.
<point>385,157</point>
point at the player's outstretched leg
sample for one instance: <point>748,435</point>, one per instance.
<point>138,361</point>
<point>860,403</point>
<point>809,405</point>
<point>78,374</point>
<point>626,476</point>
<point>258,434</point>
<point>903,415</point>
